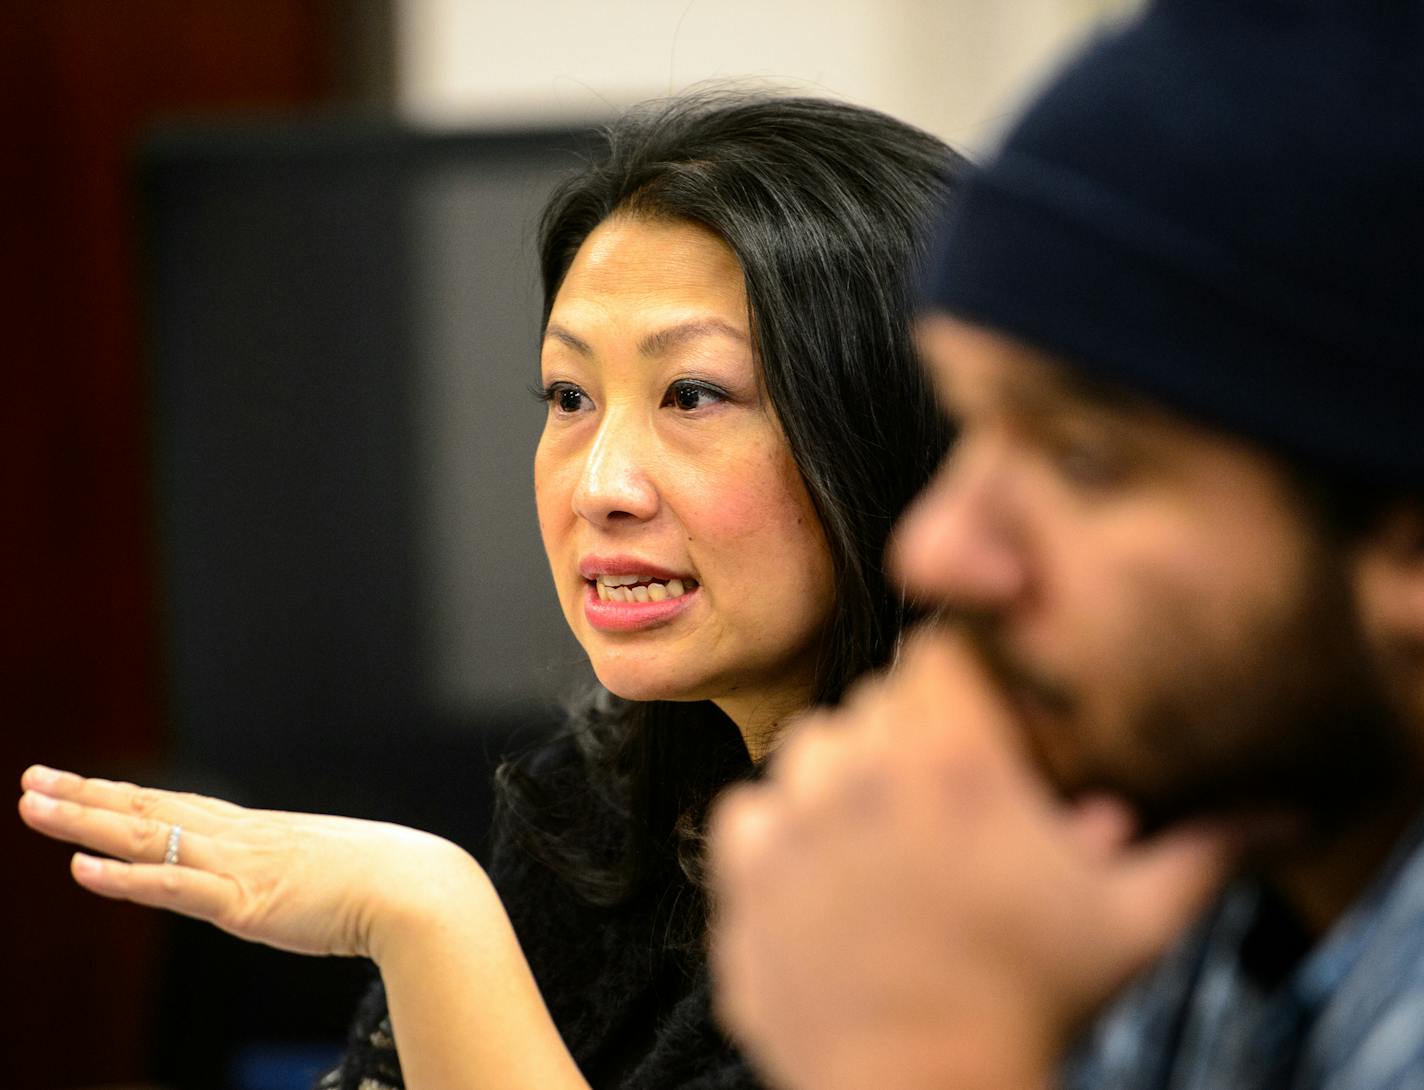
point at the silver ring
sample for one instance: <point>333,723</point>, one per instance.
<point>170,854</point>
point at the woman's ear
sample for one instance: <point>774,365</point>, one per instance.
<point>1390,579</point>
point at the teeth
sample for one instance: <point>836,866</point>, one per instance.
<point>621,580</point>
<point>638,588</point>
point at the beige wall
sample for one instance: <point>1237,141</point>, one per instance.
<point>955,67</point>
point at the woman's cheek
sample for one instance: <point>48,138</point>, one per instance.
<point>736,503</point>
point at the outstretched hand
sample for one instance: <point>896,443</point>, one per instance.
<point>308,883</point>
<point>904,903</point>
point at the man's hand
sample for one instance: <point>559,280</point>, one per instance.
<point>904,904</point>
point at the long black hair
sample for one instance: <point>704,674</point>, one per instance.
<point>827,208</point>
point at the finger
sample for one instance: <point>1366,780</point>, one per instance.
<point>740,834</point>
<point>740,831</point>
<point>806,766</point>
<point>125,836</point>
<point>940,670</point>
<point>175,807</point>
<point>1103,826</point>
<point>185,890</point>
<point>1163,885</point>
<point>734,965</point>
<point>865,702</point>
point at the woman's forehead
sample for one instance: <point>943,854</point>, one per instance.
<point>658,258</point>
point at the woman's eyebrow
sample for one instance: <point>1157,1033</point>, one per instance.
<point>654,344</point>
<point>657,343</point>
<point>563,336</point>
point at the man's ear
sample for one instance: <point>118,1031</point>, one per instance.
<point>1390,579</point>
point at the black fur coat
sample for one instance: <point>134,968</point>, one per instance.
<point>635,1014</point>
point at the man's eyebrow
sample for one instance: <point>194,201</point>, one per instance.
<point>1065,390</point>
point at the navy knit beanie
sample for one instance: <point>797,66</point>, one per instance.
<point>1221,206</point>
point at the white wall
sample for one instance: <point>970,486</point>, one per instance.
<point>955,67</point>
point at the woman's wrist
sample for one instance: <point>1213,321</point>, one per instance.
<point>436,896</point>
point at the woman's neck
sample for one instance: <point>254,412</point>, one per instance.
<point>762,717</point>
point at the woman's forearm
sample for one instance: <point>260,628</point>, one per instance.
<point>465,1010</point>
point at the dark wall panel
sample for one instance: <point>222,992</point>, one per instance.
<point>79,80</point>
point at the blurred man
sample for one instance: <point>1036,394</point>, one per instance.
<point>1144,811</point>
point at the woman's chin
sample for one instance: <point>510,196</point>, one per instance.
<point>642,685</point>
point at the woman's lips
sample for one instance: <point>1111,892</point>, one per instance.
<point>615,616</point>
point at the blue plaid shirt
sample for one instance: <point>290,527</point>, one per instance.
<point>1348,1015</point>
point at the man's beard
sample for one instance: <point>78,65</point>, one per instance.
<point>1290,718</point>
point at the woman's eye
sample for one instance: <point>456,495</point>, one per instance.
<point>565,397</point>
<point>689,396</point>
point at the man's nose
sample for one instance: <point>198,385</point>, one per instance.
<point>956,546</point>
<point>617,482</point>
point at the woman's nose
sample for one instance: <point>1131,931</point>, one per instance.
<point>616,484</point>
<point>956,546</point>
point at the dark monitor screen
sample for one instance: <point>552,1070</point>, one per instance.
<point>344,330</point>
<point>343,327</point>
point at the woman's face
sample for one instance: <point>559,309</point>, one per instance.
<point>688,559</point>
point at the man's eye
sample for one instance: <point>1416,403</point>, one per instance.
<point>689,396</point>
<point>1088,465</point>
